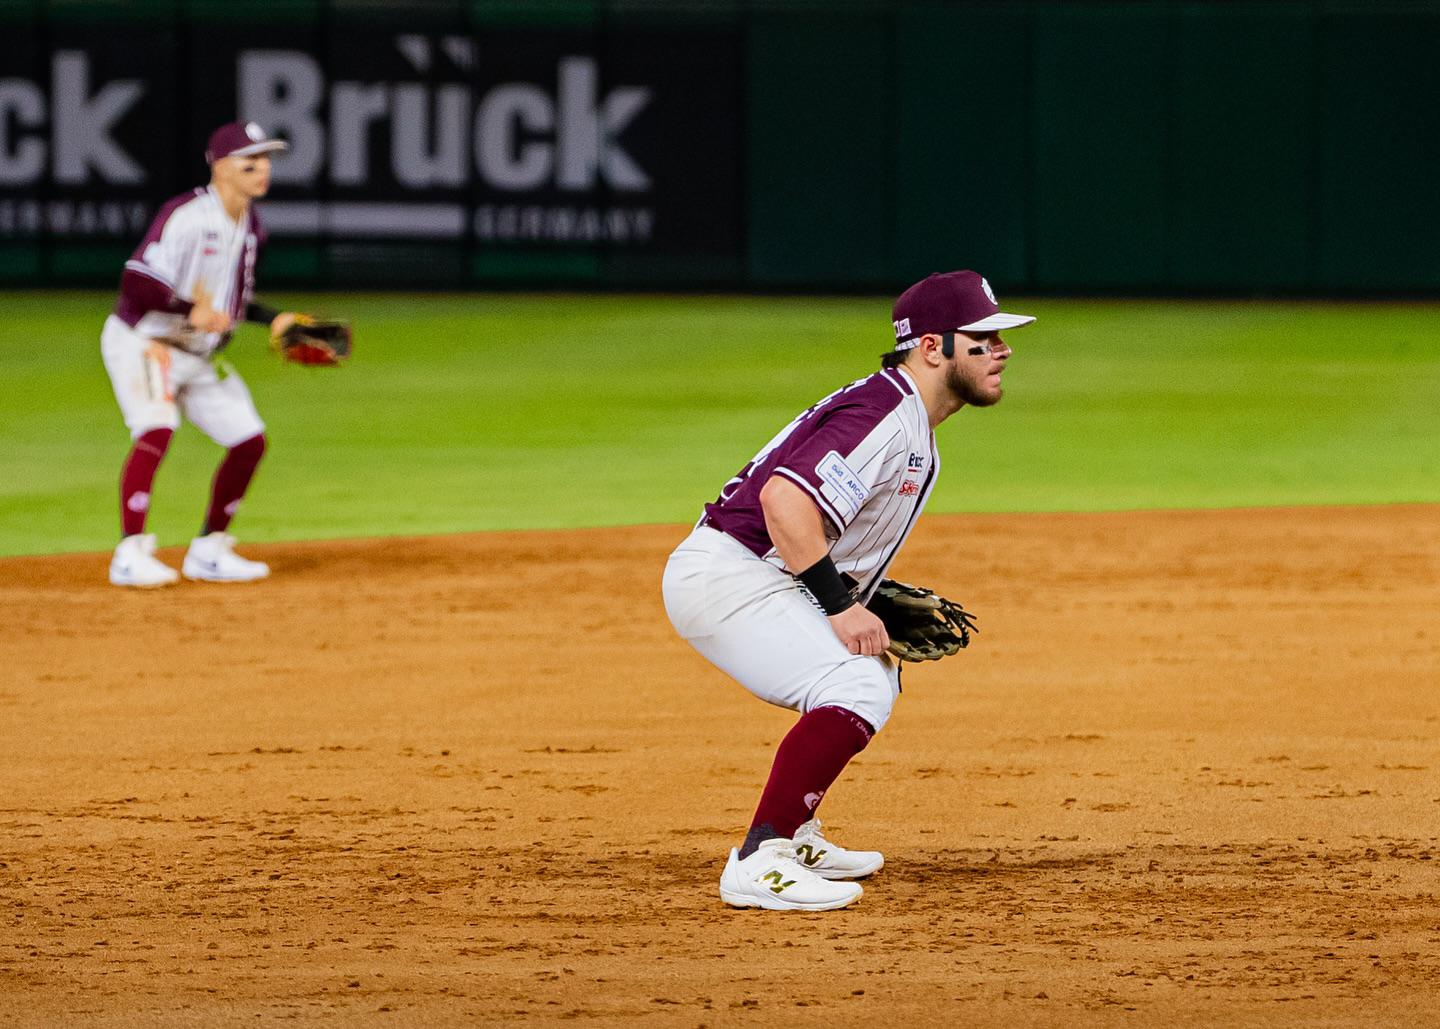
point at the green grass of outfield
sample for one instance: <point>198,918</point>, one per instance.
<point>486,412</point>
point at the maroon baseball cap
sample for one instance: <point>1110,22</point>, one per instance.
<point>240,139</point>
<point>946,302</point>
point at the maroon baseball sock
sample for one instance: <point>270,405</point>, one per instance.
<point>232,478</point>
<point>137,476</point>
<point>811,757</point>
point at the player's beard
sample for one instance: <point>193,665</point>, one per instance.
<point>970,392</point>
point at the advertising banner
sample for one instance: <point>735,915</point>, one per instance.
<point>88,131</point>
<point>521,140</point>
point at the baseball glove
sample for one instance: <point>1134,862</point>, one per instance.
<point>923,625</point>
<point>313,341</point>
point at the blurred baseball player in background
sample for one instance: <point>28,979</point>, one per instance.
<point>771,585</point>
<point>191,279</point>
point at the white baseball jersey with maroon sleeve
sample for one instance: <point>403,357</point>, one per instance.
<point>192,241</point>
<point>866,456</point>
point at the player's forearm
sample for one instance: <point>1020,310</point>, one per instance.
<point>798,531</point>
<point>794,523</point>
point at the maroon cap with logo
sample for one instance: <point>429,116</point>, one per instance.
<point>947,301</point>
<point>240,139</point>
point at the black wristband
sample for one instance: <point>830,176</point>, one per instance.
<point>260,313</point>
<point>823,581</point>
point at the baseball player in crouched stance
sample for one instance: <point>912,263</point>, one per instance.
<point>191,279</point>
<point>771,585</point>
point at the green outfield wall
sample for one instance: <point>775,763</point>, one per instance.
<point>1227,147</point>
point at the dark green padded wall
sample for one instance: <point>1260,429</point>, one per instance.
<point>1379,167</point>
<point>1241,183</point>
<point>1102,136</point>
<point>963,148</point>
<point>1058,145</point>
<point>820,157</point>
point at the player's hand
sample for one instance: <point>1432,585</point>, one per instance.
<point>860,631</point>
<point>203,314</point>
<point>282,321</point>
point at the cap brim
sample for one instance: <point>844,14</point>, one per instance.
<point>264,147</point>
<point>998,321</point>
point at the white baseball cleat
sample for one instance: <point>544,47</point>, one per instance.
<point>771,879</point>
<point>212,558</point>
<point>135,564</point>
<point>830,861</point>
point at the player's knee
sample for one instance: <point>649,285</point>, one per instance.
<point>866,687</point>
<point>861,730</point>
<point>252,449</point>
<point>154,442</point>
<point>876,706</point>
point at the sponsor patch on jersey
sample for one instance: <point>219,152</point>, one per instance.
<point>909,488</point>
<point>846,488</point>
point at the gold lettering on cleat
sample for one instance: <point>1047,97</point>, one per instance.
<point>808,854</point>
<point>779,880</point>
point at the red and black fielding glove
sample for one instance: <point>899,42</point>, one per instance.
<point>313,341</point>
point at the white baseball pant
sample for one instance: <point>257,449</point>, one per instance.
<point>153,383</point>
<point>752,621</point>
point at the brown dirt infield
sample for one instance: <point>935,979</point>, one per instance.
<point>1187,775</point>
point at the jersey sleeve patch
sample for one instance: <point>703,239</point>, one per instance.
<point>841,486</point>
